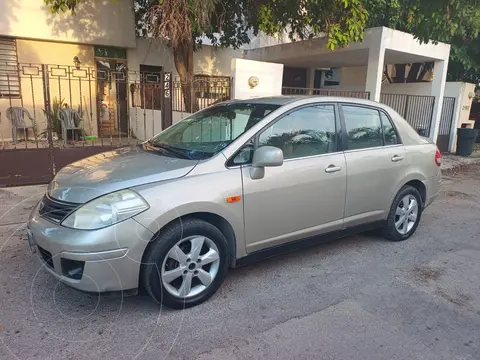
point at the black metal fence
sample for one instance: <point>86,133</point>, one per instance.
<point>416,109</point>
<point>324,92</point>
<point>205,91</point>
<point>108,105</point>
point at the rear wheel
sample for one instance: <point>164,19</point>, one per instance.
<point>185,264</point>
<point>404,214</point>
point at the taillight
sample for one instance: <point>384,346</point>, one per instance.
<point>438,158</point>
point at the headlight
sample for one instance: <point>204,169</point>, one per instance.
<point>106,210</point>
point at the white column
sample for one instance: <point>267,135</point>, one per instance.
<point>438,90</point>
<point>376,56</point>
<point>452,141</point>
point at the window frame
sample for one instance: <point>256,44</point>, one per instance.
<point>378,110</point>
<point>148,88</point>
<point>255,138</point>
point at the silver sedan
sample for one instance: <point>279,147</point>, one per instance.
<point>234,183</point>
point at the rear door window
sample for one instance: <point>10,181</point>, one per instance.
<point>363,127</point>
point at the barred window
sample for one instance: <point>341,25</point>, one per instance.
<point>9,73</point>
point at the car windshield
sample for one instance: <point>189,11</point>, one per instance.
<point>209,131</point>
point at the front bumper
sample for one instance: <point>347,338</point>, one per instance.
<point>101,260</point>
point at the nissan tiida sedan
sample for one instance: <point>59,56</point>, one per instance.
<point>233,183</point>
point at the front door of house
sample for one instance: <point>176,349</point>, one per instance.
<point>112,94</point>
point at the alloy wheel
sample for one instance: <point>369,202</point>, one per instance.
<point>190,266</point>
<point>406,214</point>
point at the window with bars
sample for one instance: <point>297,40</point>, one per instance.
<point>9,72</point>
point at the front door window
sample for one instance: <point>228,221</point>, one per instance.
<point>305,132</point>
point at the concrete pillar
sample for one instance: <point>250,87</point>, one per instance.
<point>310,80</point>
<point>256,78</point>
<point>452,141</point>
<point>376,56</point>
<point>438,90</point>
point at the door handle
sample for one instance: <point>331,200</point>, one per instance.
<point>332,168</point>
<point>396,158</point>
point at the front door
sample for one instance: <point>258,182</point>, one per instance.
<point>376,163</point>
<point>306,195</point>
<point>112,97</point>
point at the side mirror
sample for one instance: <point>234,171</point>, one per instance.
<point>265,156</point>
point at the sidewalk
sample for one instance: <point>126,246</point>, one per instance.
<point>452,163</point>
<point>16,203</point>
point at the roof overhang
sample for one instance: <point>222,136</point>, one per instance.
<point>400,48</point>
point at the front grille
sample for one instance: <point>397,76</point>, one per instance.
<point>55,210</point>
<point>46,256</point>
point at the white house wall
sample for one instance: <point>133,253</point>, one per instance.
<point>96,22</point>
<point>424,88</point>
<point>208,60</point>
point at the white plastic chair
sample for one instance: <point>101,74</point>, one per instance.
<point>70,120</point>
<point>17,116</point>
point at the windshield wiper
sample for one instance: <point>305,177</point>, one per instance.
<point>169,149</point>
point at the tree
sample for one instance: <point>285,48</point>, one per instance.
<point>183,24</point>
<point>451,21</point>
<point>230,23</point>
<point>464,62</point>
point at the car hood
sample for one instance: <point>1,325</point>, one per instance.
<point>114,170</point>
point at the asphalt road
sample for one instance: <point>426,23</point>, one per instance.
<point>356,298</point>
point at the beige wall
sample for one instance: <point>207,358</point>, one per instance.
<point>467,90</point>
<point>47,52</point>
<point>207,60</point>
<point>353,77</point>
<point>78,90</point>
<point>100,22</point>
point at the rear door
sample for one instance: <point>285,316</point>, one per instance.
<point>376,163</point>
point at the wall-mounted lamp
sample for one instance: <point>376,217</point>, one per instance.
<point>253,81</point>
<point>77,62</point>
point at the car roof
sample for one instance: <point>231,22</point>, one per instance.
<point>286,99</point>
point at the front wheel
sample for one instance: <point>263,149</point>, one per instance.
<point>185,264</point>
<point>404,214</point>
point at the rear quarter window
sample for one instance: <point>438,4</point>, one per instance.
<point>390,134</point>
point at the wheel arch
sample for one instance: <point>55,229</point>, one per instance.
<point>213,218</point>
<point>415,179</point>
<point>421,188</point>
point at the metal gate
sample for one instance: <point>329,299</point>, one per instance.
<point>416,109</point>
<point>52,115</point>
<point>446,123</point>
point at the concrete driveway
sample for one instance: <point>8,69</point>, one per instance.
<point>357,298</point>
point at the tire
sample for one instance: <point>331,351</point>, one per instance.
<point>390,231</point>
<point>162,257</point>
